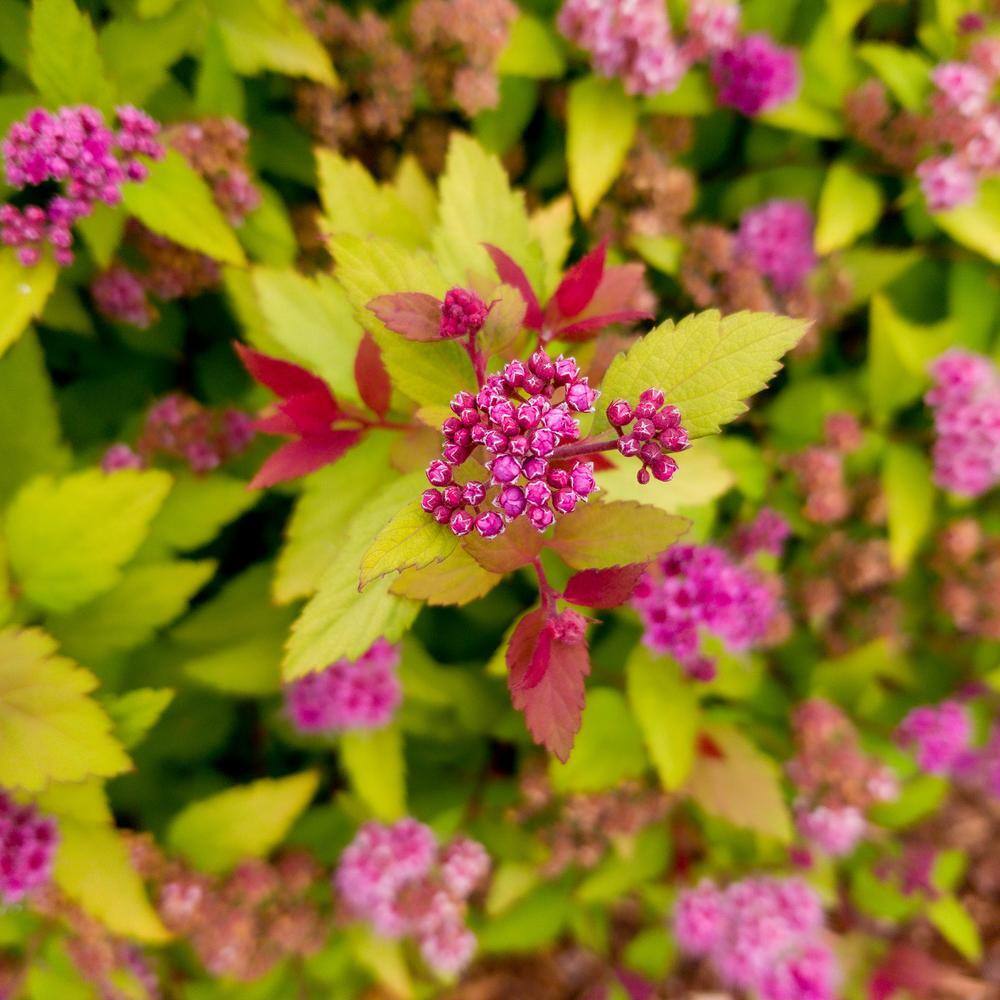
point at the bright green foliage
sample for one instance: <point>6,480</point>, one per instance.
<point>850,205</point>
<point>374,763</point>
<point>977,225</point>
<point>136,712</point>
<point>533,50</point>
<point>410,540</point>
<point>23,293</point>
<point>956,925</point>
<point>909,494</point>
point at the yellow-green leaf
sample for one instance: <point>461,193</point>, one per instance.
<point>533,50</point>
<point>850,204</point>
<point>24,292</point>
<point>977,225</point>
<point>909,494</point>
<point>956,925</point>
<point>457,579</point>
<point>411,539</point>
<point>373,760</point>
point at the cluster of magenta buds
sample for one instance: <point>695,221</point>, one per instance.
<point>520,417</point>
<point>462,313</point>
<point>654,431</point>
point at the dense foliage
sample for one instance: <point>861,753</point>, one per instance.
<point>499,499</point>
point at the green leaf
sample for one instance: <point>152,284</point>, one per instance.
<point>102,232</point>
<point>477,206</point>
<point>49,729</point>
<point>411,539</point>
<point>68,538</point>
<point>805,117</point>
<point>847,13</point>
<point>552,226</point>
<point>904,71</point>
<point>267,233</point>
<point>499,128</point>
<point>373,760</point>
<point>457,579</point>
<point>601,121</point>
<point>29,421</point>
<point>977,225</point>
<point>636,861</point>
<point>693,96</point>
<point>869,269</point>
<point>849,206</point>
<point>14,18</point>
<point>312,319</point>
<point>135,713</point>
<point>740,785</point>
<point>175,202</point>
<point>24,292</point>
<point>533,50</point>
<point>148,597</point>
<point>909,492</point>
<point>247,821</point>
<point>64,62</point>
<point>615,533</point>
<point>218,90</point>
<point>957,926</point>
<point>665,704</point>
<point>246,668</point>
<point>530,923</point>
<point>706,365</point>
<point>268,35</point>
<point>607,749</point>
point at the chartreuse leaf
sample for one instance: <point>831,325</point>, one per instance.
<point>553,228</point>
<point>267,34</point>
<point>665,704</point>
<point>24,292</point>
<point>531,922</point>
<point>50,729</point>
<point>383,959</point>
<point>354,202</point>
<point>29,421</point>
<point>175,202</point>
<point>850,204</point>
<point>148,597</point>
<point>267,233</point>
<point>477,206</point>
<point>247,821</point>
<point>14,19</point>
<point>706,365</point>
<point>312,319</point>
<point>68,538</point>
<point>411,539</point>
<point>636,861</point>
<point>977,225</point>
<point>956,925</point>
<point>533,50</point>
<point>607,749</point>
<point>739,784</point>
<point>847,13</point>
<point>93,866</point>
<point>904,71</point>
<point>136,712</point>
<point>909,493</point>
<point>63,61</point>
<point>615,533</point>
<point>601,120</point>
<point>373,760</point>
<point>218,90</point>
<point>457,579</point>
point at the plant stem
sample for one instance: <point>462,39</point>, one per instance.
<point>588,446</point>
<point>546,591</point>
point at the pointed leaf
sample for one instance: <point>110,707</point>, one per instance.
<point>909,492</point>
<point>376,767</point>
<point>580,282</point>
<point>299,458</point>
<point>24,292</point>
<point>849,206</point>
<point>411,539</point>
<point>603,588</point>
<point>510,273</point>
<point>136,712</point>
<point>456,580</point>
<point>371,377</point>
<point>414,315</point>
<point>283,378</point>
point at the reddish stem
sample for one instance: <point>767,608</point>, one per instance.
<point>477,358</point>
<point>588,446</point>
<point>546,591</point>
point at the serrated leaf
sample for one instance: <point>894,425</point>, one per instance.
<point>64,62</point>
<point>738,783</point>
<point>477,206</point>
<point>68,538</point>
<point>601,121</point>
<point>50,729</point>
<point>411,539</point>
<point>247,821</point>
<point>24,292</point>
<point>706,366</point>
<point>515,548</point>
<point>175,202</point>
<point>665,704</point>
<point>850,204</point>
<point>413,315</point>
<point>455,580</point>
<point>616,533</point>
<point>374,762</point>
<point>533,50</point>
<point>909,493</point>
<point>136,712</point>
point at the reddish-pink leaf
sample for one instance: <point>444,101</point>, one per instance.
<point>276,423</point>
<point>580,282</point>
<point>594,324</point>
<point>371,377</point>
<point>603,588</point>
<point>283,378</point>
<point>511,273</point>
<point>906,969</point>
<point>414,315</point>
<point>299,458</point>
<point>515,548</point>
<point>620,288</point>
<point>311,413</point>
<point>552,703</point>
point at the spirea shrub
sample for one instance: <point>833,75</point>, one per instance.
<point>498,499</point>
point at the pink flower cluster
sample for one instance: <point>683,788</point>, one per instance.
<point>966,403</point>
<point>940,734</point>
<point>348,694</point>
<point>120,456</point>
<point>28,842</point>
<point>767,532</point>
<point>400,880</point>
<point>755,75</point>
<point>654,430</point>
<point>696,588</point>
<point>120,295</point>
<point>979,767</point>
<point>76,150</point>
<point>777,239</point>
<point>833,830</point>
<point>463,313</point>
<point>516,419</point>
<point>630,39</point>
<point>761,934</point>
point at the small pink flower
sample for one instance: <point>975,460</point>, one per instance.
<point>940,735</point>
<point>755,75</point>
<point>966,87</point>
<point>777,238</point>
<point>946,182</point>
<point>699,919</point>
<point>28,842</point>
<point>835,831</point>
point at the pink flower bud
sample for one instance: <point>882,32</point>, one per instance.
<point>535,467</point>
<point>511,501</point>
<point>642,476</point>
<point>558,478</point>
<point>438,473</point>
<point>430,500</point>
<point>441,513</point>
<point>461,522</point>
<point>649,452</point>
<point>580,396</point>
<point>582,479</point>
<point>619,413</point>
<point>542,441</point>
<point>518,445</point>
<point>652,396</point>
<point>628,446</point>
<point>462,313</point>
<point>643,429</point>
<point>513,374</point>
<point>454,454</point>
<point>537,493</point>
<point>505,468</point>
<point>474,492</point>
<point>542,365</point>
<point>496,442</point>
<point>565,501</point>
<point>533,383</point>
<point>452,496</point>
<point>663,468</point>
<point>566,370</point>
<point>540,518</point>
<point>528,416</point>
<point>644,410</point>
<point>675,439</point>
<point>489,524</point>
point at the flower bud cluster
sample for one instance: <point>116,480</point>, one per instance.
<point>767,532</point>
<point>649,431</point>
<point>966,403</point>
<point>968,564</point>
<point>120,295</point>
<point>777,238</point>
<point>399,879</point>
<point>696,589</point>
<point>764,935</point>
<point>939,734</point>
<point>520,418</point>
<point>755,75</point>
<point>348,694</point>
<point>463,313</point>
<point>28,843</point>
<point>88,161</point>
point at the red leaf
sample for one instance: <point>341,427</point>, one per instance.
<point>583,329</point>
<point>371,377</point>
<point>510,273</point>
<point>283,378</point>
<point>552,703</point>
<point>299,458</point>
<point>311,413</point>
<point>707,747</point>
<point>603,588</point>
<point>909,969</point>
<point>580,282</point>
<point>414,315</point>
<point>276,423</point>
<point>619,288</point>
